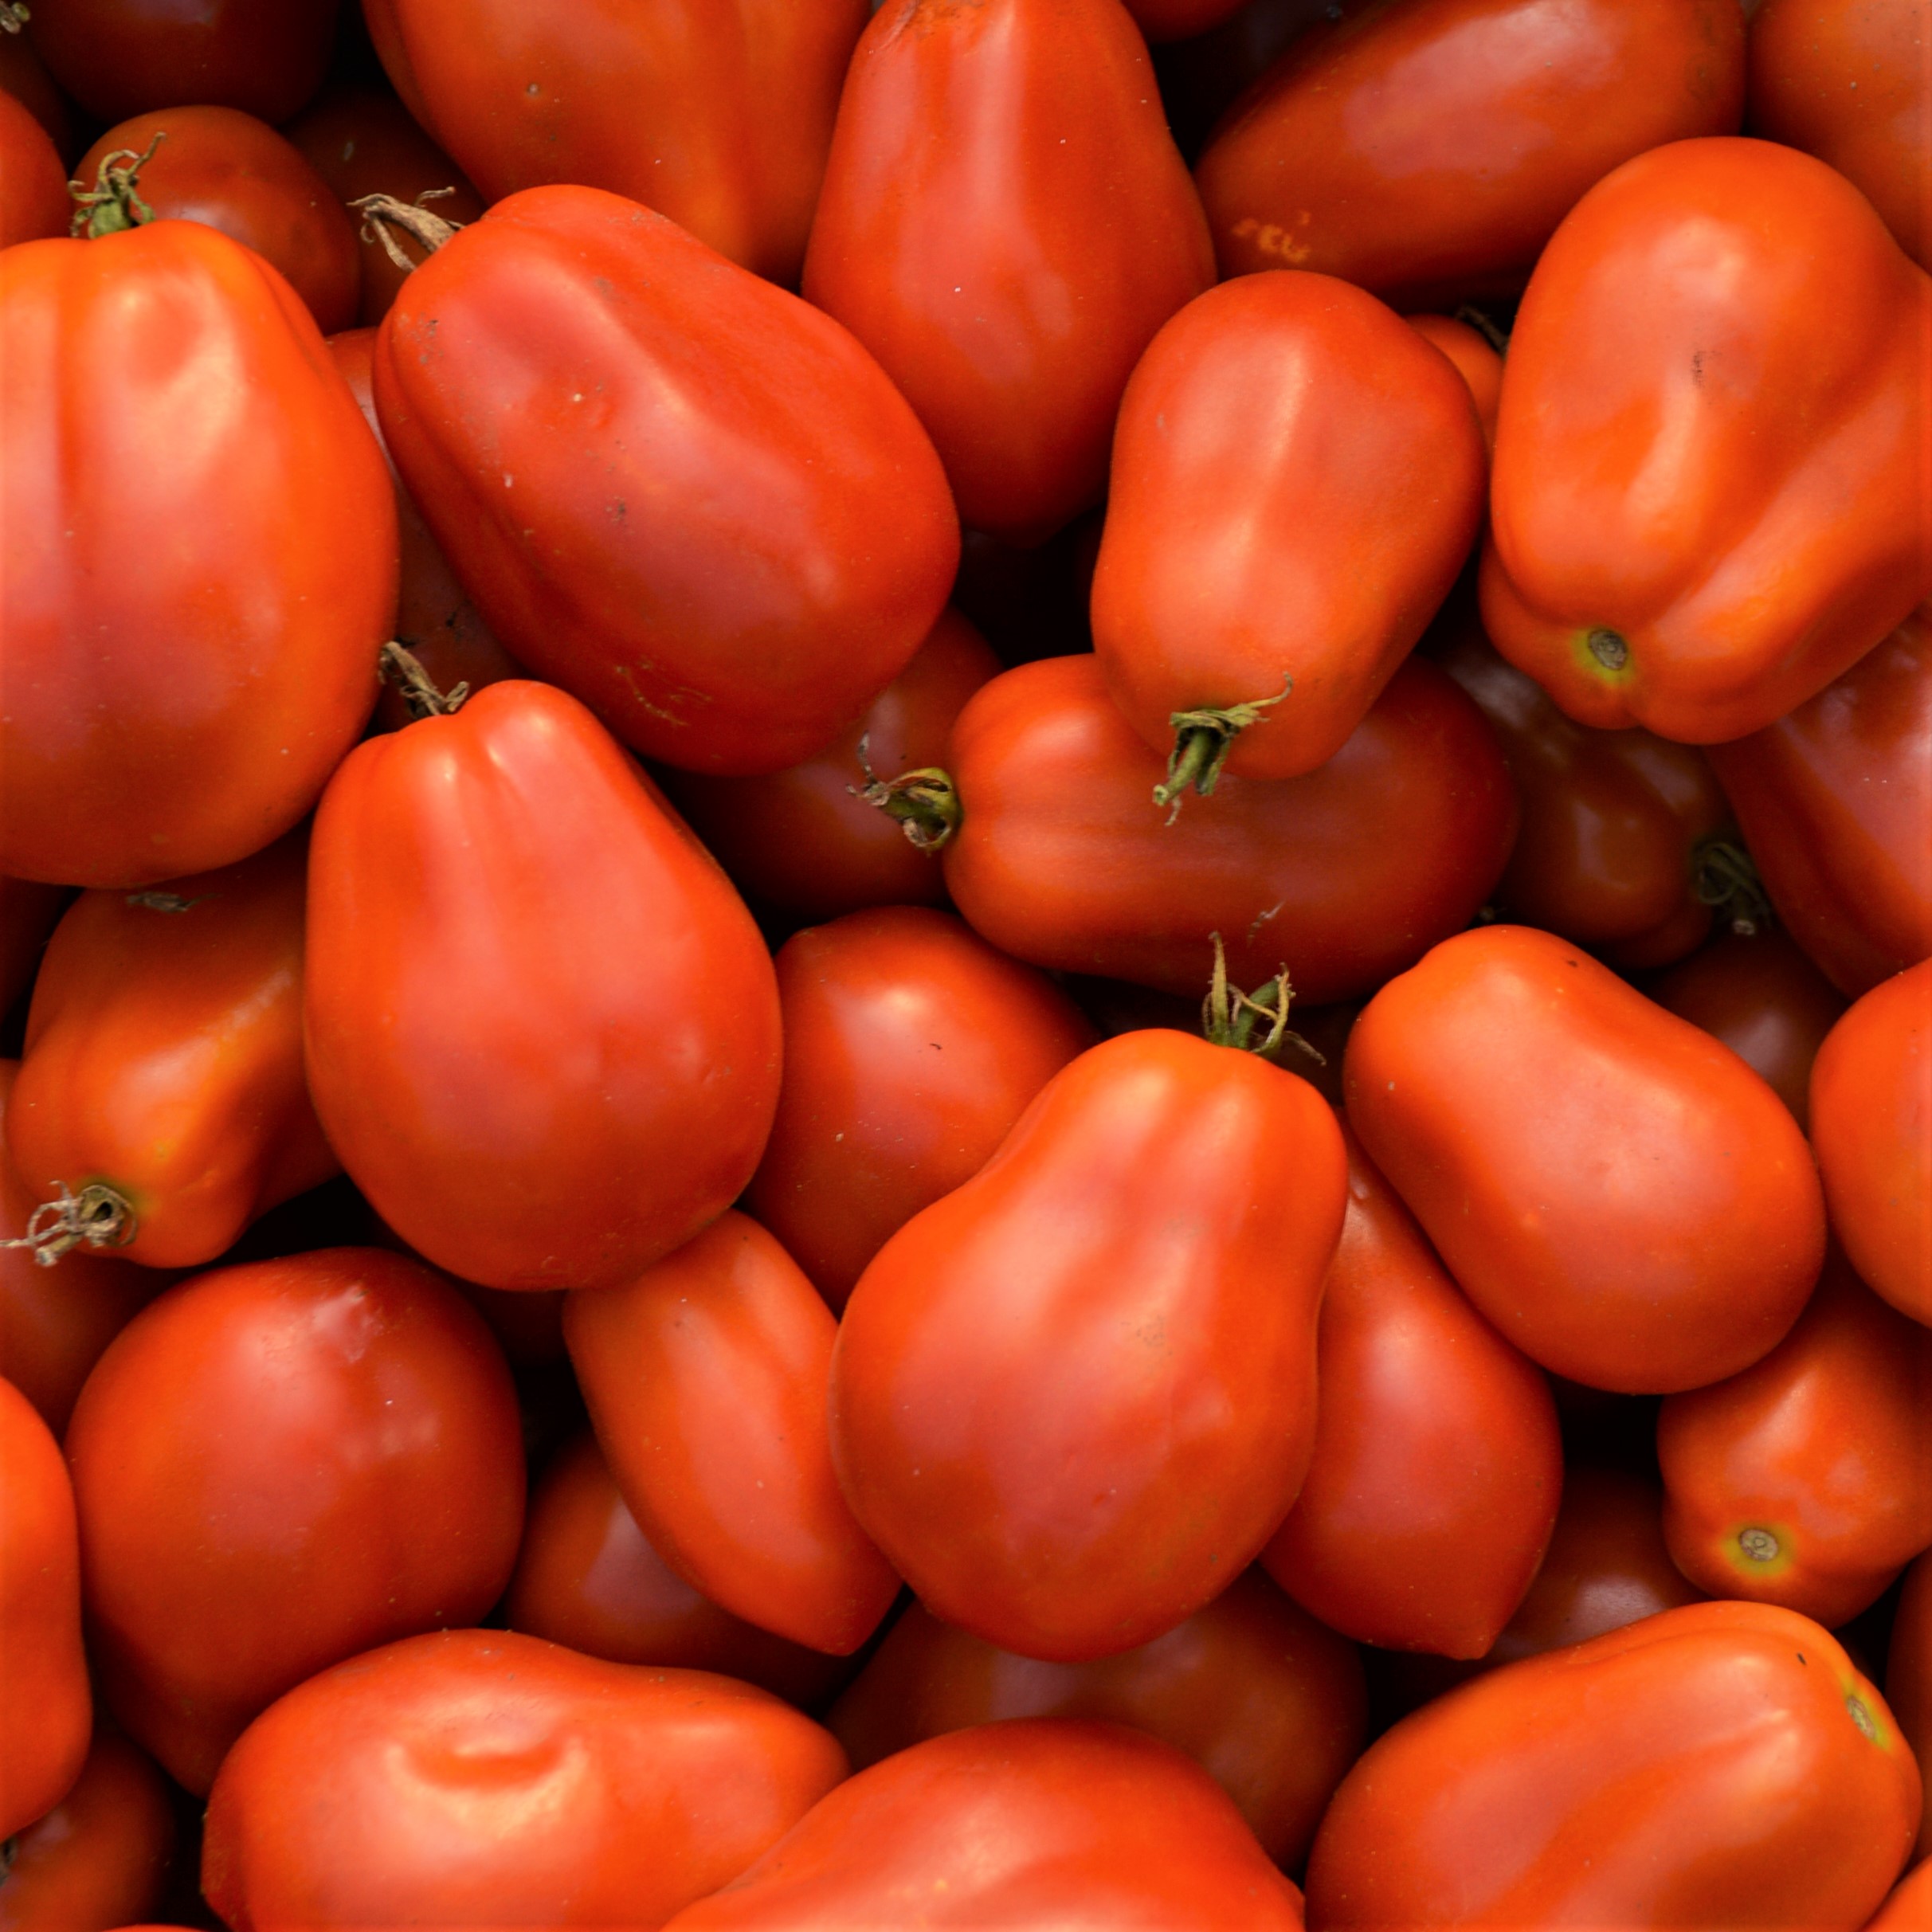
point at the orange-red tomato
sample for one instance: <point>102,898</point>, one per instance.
<point>34,203</point>
<point>1477,361</point>
<point>1909,1907</point>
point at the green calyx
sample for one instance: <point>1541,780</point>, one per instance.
<point>1723,877</point>
<point>396,664</point>
<point>1230,1018</point>
<point>1202,741</point>
<point>114,202</point>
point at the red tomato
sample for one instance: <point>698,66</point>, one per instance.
<point>1287,445</point>
<point>476,1778</point>
<point>1267,1701</point>
<point>276,1465</point>
<point>1349,873</point>
<point>1040,1822</point>
<point>679,492</point>
<point>1070,1400</point>
<point>1908,1661</point>
<point>1908,1907</point>
<point>705,1379</point>
<point>174,718</point>
<point>28,911</point>
<point>1437,1464</point>
<point>24,75</point>
<point>506,876</point>
<point>1477,360</point>
<point>911,1046</point>
<point>1169,20</point>
<point>1004,224</point>
<point>34,202</point>
<point>1621,1195</point>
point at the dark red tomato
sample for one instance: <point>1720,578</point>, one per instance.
<point>1171,20</point>
<point>807,839</point>
<point>529,1325</point>
<point>506,877</point>
<point>1437,1462</point>
<point>279,1465</point>
<point>1477,360</point>
<point>1348,874</point>
<point>24,75</point>
<point>705,1379</point>
<point>681,493</point>
<point>1764,999</point>
<point>1618,1193</point>
<point>28,911</point>
<point>175,718</point>
<point>1297,478</point>
<point>1428,151</point>
<point>1005,222</point>
<point>34,202</point>
<point>911,1046</point>
<point>717,116</point>
<point>1835,798</point>
<point>1908,1660</point>
<point>1269,1703</point>
<point>1871,1128</point>
<point>100,1857</point>
<point>1202,77</point>
<point>1040,1822</point>
<point>477,1777</point>
<point>587,1576</point>
<point>1071,1399</point>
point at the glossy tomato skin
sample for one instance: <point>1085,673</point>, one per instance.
<point>278,1465</point>
<point>705,1379</point>
<point>1477,361</point>
<point>1720,1765</point>
<point>1871,1126</point>
<point>911,1046</point>
<point>242,654</point>
<point>506,876</point>
<point>683,494</point>
<point>1437,1464</point>
<point>1006,223</point>
<point>1039,1821</point>
<point>34,203</point>
<point>1070,1400</point>
<point>1268,1702</point>
<point>1834,799</point>
<point>1297,478</point>
<point>48,1709</point>
<point>718,117</point>
<point>1655,479</point>
<point>1348,873</point>
<point>164,1057</point>
<point>1427,152</point>
<point>1909,1903</point>
<point>1619,1193</point>
<point>475,1777</point>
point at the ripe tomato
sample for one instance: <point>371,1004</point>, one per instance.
<point>1477,361</point>
<point>1908,1906</point>
<point>34,203</point>
<point>1908,1660</point>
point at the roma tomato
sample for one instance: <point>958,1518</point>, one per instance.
<point>1909,1904</point>
<point>1004,224</point>
<point>683,494</point>
<point>505,880</point>
<point>911,1046</point>
<point>278,1465</point>
<point>1720,1765</point>
<point>1477,360</point>
<point>1437,1464</point>
<point>1707,501</point>
<point>24,75</point>
<point>705,1379</point>
<point>1427,151</point>
<point>1070,1400</point>
<point>1038,1822</point>
<point>1297,480</point>
<point>1348,873</point>
<point>175,718</point>
<point>1618,1193</point>
<point>34,203</point>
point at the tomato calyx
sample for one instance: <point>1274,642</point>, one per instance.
<point>1202,741</point>
<point>382,215</point>
<point>400,666</point>
<point>114,202</point>
<point>1229,1017</point>
<point>1724,877</point>
<point>925,801</point>
<point>13,16</point>
<point>97,1215</point>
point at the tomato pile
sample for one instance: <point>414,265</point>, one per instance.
<point>958,978</point>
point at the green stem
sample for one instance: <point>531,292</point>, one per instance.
<point>925,802</point>
<point>403,668</point>
<point>1724,877</point>
<point>113,203</point>
<point>1202,741</point>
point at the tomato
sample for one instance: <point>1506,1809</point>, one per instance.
<point>1348,873</point>
<point>1437,1464</point>
<point>1168,20</point>
<point>719,117</point>
<point>163,1060</point>
<point>24,75</point>
<point>1004,224</point>
<point>475,1777</point>
<point>911,1046</point>
<point>1427,151</point>
<point>1201,76</point>
<point>1286,445</point>
<point>175,718</point>
<point>1835,798</point>
<point>1268,1702</point>
<point>681,492</point>
<point>28,911</point>
<point>1477,360</point>
<point>506,876</point>
<point>34,202</point>
<point>48,1710</point>
<point>1071,1399</point>
<point>1706,501</point>
<point>1906,1909</point>
<point>587,1576</point>
<point>1037,1822</point>
<point>1908,1661</point>
<point>278,1465</point>
<point>1618,1193</point>
<point>1720,1765</point>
